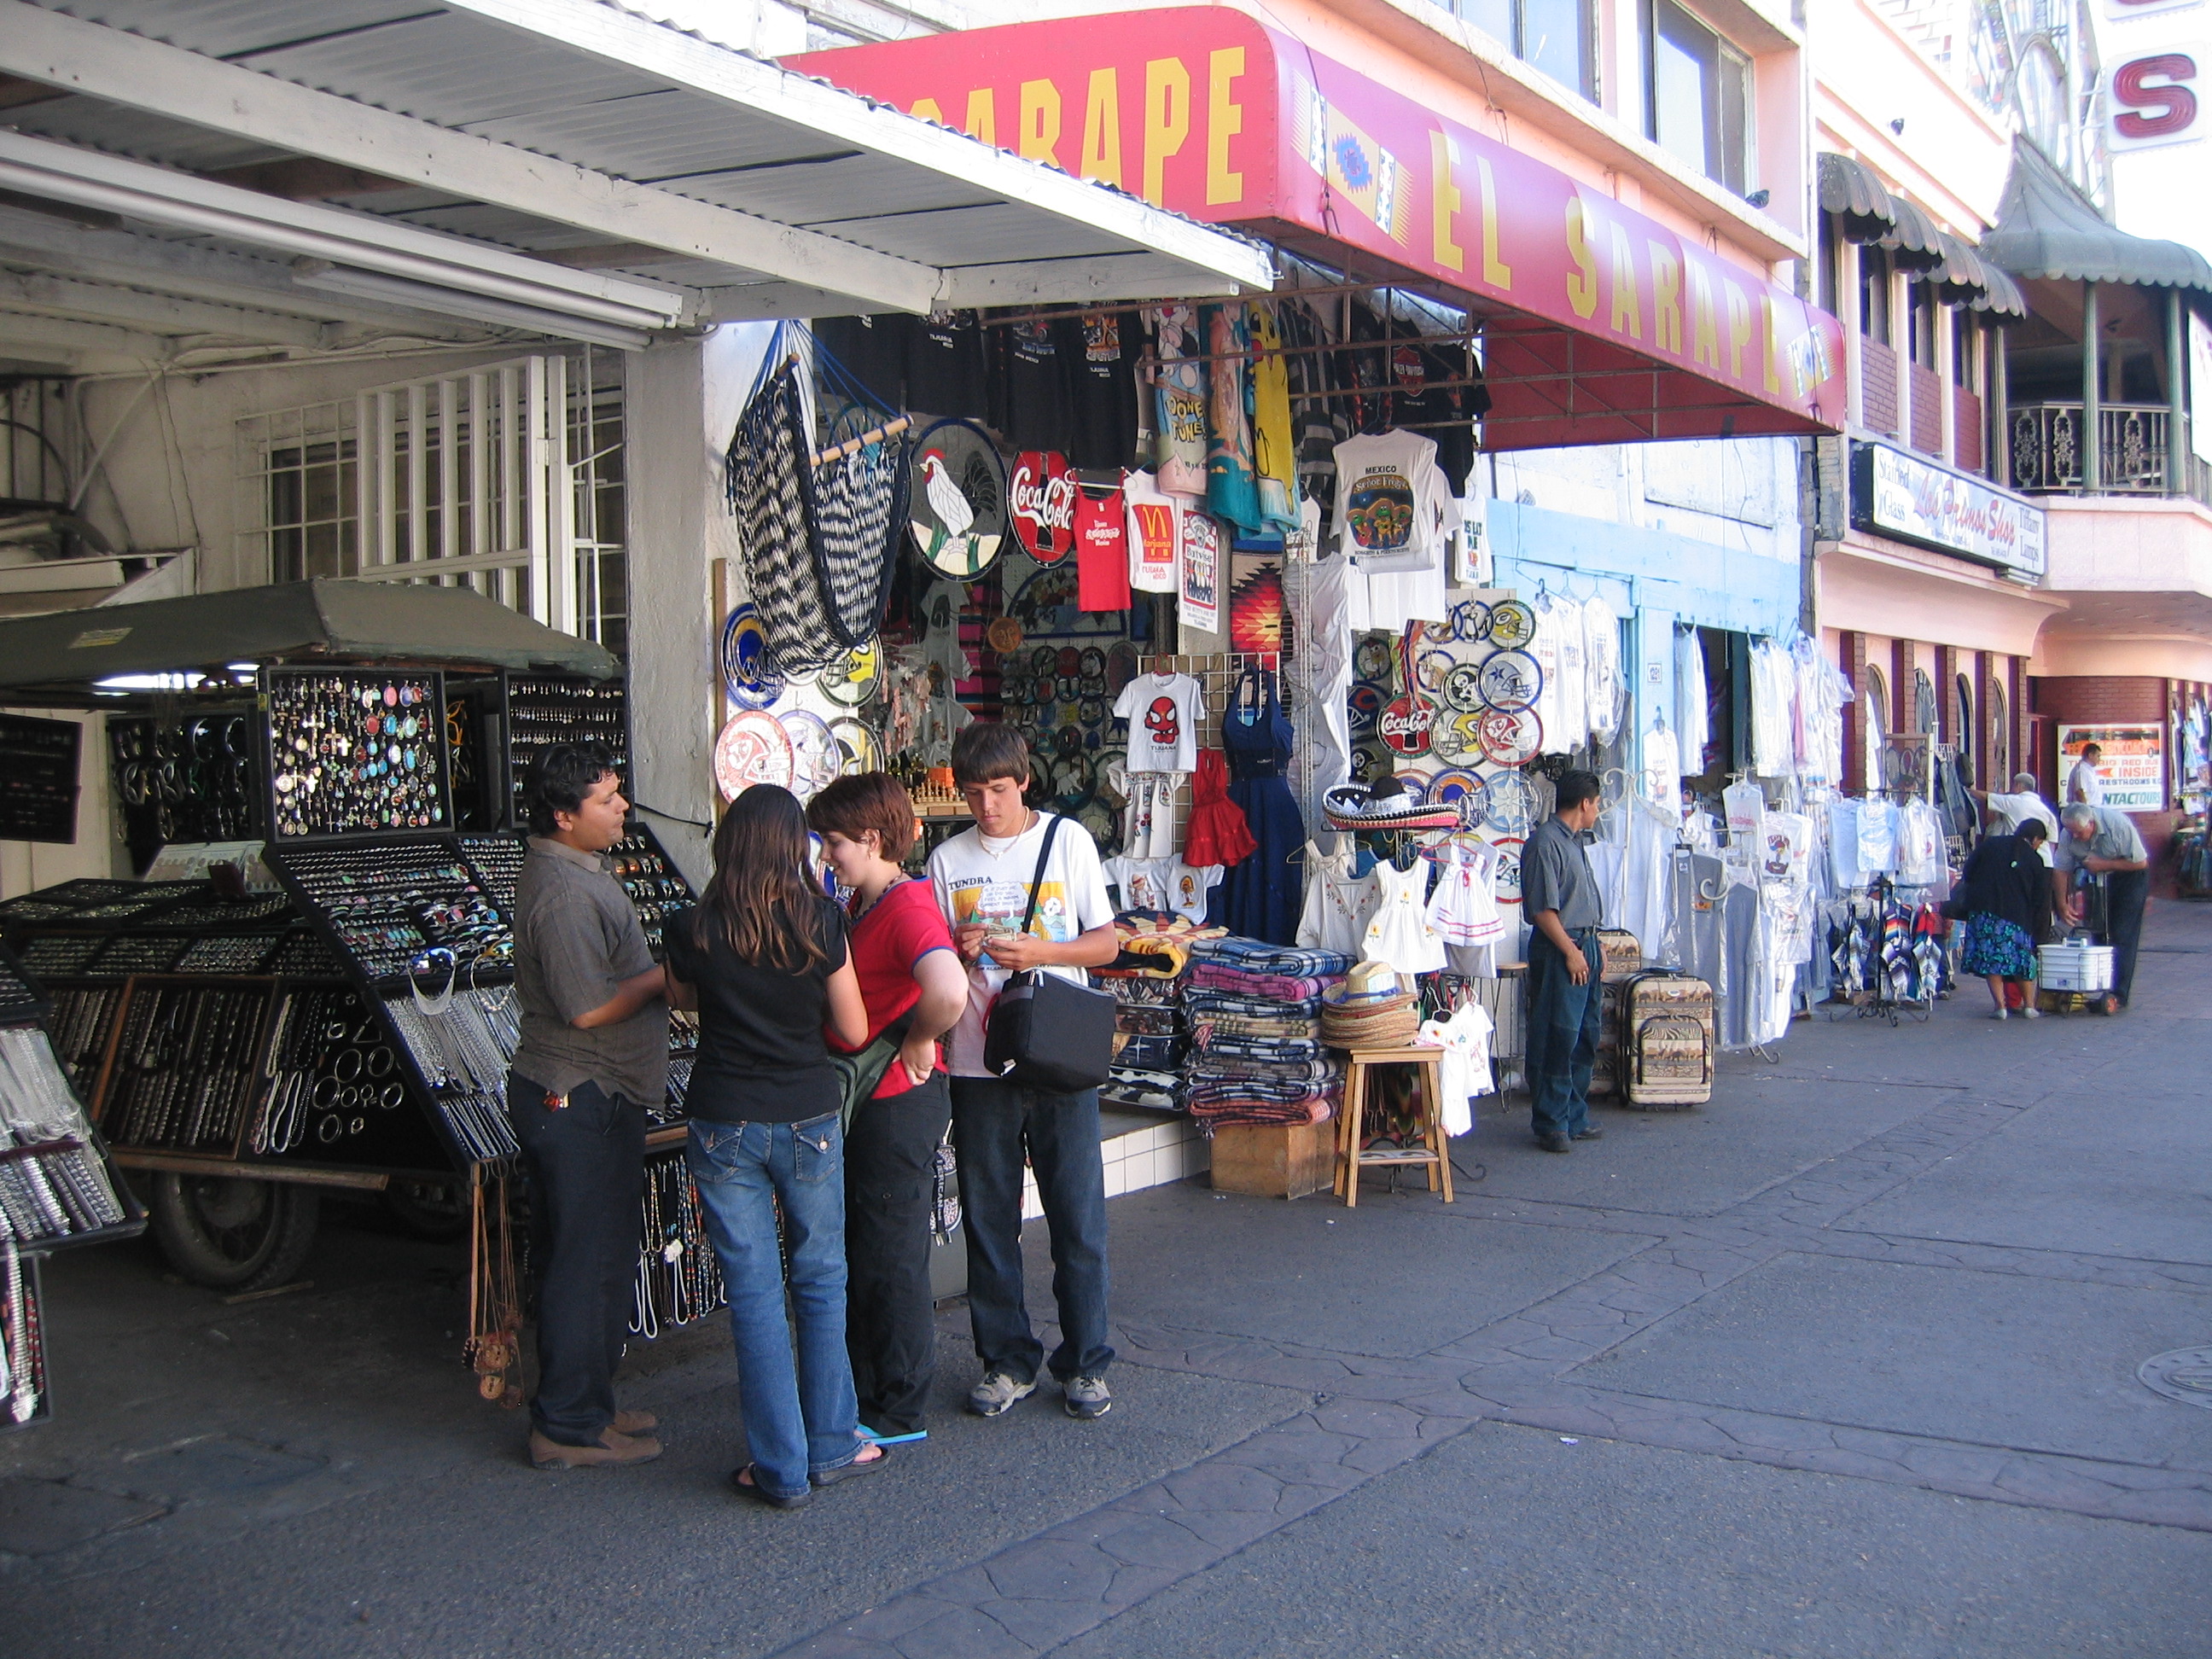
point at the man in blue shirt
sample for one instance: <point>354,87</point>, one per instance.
<point>1559,896</point>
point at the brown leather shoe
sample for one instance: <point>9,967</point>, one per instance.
<point>614,1446</point>
<point>636,1422</point>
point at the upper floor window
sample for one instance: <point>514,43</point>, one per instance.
<point>1873,294</point>
<point>1555,36</point>
<point>1698,95</point>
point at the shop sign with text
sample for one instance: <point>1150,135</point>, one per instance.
<point>1206,110</point>
<point>2131,769</point>
<point>1894,494</point>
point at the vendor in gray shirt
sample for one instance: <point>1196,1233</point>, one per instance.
<point>2102,842</point>
<point>593,1055</point>
<point>1565,968</point>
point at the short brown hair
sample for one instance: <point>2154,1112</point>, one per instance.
<point>988,751</point>
<point>873,800</point>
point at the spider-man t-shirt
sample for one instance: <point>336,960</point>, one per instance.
<point>1163,711</point>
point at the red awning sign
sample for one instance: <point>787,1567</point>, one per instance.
<point>1600,324</point>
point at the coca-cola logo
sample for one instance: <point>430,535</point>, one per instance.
<point>1404,725</point>
<point>1041,497</point>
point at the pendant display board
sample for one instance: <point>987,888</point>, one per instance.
<point>354,751</point>
<point>196,775</point>
<point>40,759</point>
<point>540,710</point>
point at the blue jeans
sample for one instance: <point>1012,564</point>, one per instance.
<point>799,1418</point>
<point>1564,1019</point>
<point>993,1123</point>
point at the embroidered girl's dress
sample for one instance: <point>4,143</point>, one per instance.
<point>1463,910</point>
<point>1338,902</point>
<point>1400,933</point>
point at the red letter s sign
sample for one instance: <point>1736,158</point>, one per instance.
<point>2156,108</point>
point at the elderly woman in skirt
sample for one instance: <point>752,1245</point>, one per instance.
<point>2006,899</point>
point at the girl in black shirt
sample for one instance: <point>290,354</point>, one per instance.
<point>763,960</point>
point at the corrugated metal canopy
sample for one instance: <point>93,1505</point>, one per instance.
<point>65,652</point>
<point>2046,227</point>
<point>594,139</point>
<point>1853,190</point>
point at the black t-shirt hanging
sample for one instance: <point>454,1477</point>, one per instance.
<point>872,350</point>
<point>1102,355</point>
<point>1032,405</point>
<point>762,1059</point>
<point>945,370</point>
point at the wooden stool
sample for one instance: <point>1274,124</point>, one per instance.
<point>1437,1155</point>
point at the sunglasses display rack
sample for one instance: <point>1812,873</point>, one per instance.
<point>354,752</point>
<point>541,710</point>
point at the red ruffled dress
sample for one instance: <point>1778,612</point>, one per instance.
<point>1218,832</point>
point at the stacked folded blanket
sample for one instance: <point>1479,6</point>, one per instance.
<point>1253,1011</point>
<point>1147,987</point>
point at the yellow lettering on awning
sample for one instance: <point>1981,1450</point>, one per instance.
<point>1167,121</point>
<point>1040,129</point>
<point>1666,299</point>
<point>1581,279</point>
<point>1443,201</point>
<point>983,123</point>
<point>1224,119</point>
<point>1705,326</point>
<point>1739,327</point>
<point>1771,315</point>
<point>1102,127</point>
<point>926,109</point>
<point>1495,270</point>
<point>1627,295</point>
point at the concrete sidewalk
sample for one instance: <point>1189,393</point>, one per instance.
<point>1844,1363</point>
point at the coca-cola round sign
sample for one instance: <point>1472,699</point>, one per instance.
<point>1041,496</point>
<point>1404,724</point>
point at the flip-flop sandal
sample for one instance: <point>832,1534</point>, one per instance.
<point>870,1434</point>
<point>847,1471</point>
<point>745,1480</point>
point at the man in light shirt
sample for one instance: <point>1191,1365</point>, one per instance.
<point>2005,813</point>
<point>2083,787</point>
<point>2103,842</point>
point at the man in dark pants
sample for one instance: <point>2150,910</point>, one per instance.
<point>1566,977</point>
<point>594,1050</point>
<point>986,880</point>
<point>2103,841</point>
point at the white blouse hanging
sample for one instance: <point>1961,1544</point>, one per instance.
<point>1339,904</point>
<point>1399,931</point>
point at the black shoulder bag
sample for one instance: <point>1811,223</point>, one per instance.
<point>1045,1032</point>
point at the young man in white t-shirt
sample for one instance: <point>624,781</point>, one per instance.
<point>982,878</point>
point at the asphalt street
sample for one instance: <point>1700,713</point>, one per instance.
<point>1844,1363</point>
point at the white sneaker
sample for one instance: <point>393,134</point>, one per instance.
<point>998,1394</point>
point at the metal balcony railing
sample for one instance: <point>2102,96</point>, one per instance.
<point>2048,441</point>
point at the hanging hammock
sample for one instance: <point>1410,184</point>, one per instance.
<point>820,532</point>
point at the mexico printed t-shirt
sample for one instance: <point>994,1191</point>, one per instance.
<point>1394,510</point>
<point>981,880</point>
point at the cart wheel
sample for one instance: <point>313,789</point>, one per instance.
<point>428,1209</point>
<point>229,1234</point>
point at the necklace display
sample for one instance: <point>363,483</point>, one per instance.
<point>351,752</point>
<point>543,711</point>
<point>679,1278</point>
<point>52,1183</point>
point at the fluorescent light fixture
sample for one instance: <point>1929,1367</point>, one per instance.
<point>432,266</point>
<point>451,302</point>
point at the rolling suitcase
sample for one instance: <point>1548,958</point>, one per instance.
<point>1667,1041</point>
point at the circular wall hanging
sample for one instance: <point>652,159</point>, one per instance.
<point>1003,636</point>
<point>753,748</point>
<point>816,760</point>
<point>1510,736</point>
<point>1404,724</point>
<point>1365,703</point>
<point>1457,787</point>
<point>1509,806</point>
<point>1511,624</point>
<point>858,746</point>
<point>1506,879</point>
<point>1463,689</point>
<point>1470,622</point>
<point>956,500</point>
<point>1371,659</point>
<point>1511,680</point>
<point>1456,738</point>
<point>748,667</point>
<point>853,682</point>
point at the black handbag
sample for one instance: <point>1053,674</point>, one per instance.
<point>1045,1032</point>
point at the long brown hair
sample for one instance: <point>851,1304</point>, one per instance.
<point>759,896</point>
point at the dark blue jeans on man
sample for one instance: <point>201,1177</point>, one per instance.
<point>799,1410</point>
<point>587,1167</point>
<point>994,1125</point>
<point>1564,1019</point>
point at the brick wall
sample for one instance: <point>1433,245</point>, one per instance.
<point>1927,409</point>
<point>1878,402</point>
<point>2101,699</point>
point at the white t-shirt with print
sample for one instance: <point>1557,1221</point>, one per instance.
<point>1395,510</point>
<point>1162,712</point>
<point>1155,535</point>
<point>984,880</point>
<point>1165,884</point>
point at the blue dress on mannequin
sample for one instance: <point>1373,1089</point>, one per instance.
<point>1260,898</point>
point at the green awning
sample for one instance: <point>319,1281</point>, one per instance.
<point>303,623</point>
<point>2046,227</point>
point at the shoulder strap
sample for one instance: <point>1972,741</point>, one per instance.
<point>1036,880</point>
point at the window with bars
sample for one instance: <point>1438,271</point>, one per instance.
<point>507,478</point>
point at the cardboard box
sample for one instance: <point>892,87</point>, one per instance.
<point>1275,1160</point>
